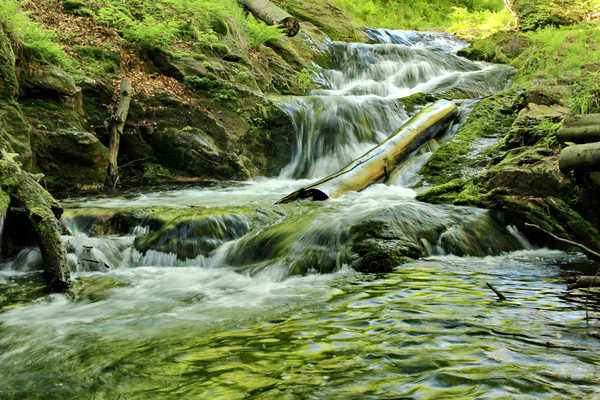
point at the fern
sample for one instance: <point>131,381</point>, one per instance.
<point>260,33</point>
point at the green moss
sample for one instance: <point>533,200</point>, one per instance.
<point>76,7</point>
<point>502,47</point>
<point>491,118</point>
<point>416,100</point>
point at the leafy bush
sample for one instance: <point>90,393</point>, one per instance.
<point>33,43</point>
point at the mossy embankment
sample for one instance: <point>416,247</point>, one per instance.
<point>505,157</point>
<point>205,75</point>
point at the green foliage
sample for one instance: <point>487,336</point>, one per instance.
<point>260,33</point>
<point>33,43</point>
<point>458,16</point>
<point>587,101</point>
<point>303,80</point>
<point>560,53</point>
<point>202,21</point>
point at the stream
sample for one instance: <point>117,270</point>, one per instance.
<point>222,295</point>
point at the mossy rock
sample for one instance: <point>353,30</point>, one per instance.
<point>417,100</point>
<point>490,119</point>
<point>15,132</point>
<point>327,17</point>
<point>534,14</point>
<point>9,84</point>
<point>501,47</point>
<point>70,159</point>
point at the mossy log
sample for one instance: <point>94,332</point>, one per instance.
<point>580,158</point>
<point>380,160</point>
<point>273,15</point>
<point>581,129</point>
<point>21,190</point>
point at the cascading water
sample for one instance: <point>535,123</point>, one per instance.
<point>213,292</point>
<point>362,104</point>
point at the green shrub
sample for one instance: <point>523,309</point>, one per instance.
<point>32,43</point>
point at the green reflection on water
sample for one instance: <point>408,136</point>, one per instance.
<point>429,330</point>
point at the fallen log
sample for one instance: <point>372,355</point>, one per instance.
<point>269,13</point>
<point>580,134</point>
<point>112,176</point>
<point>380,160</point>
<point>585,282</point>
<point>580,158</point>
<point>581,120</point>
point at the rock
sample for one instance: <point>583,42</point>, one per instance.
<point>9,84</point>
<point>191,235</point>
<point>70,158</point>
<point>176,67</point>
<point>526,130</point>
<point>49,79</point>
<point>195,152</point>
<point>327,17</point>
<point>41,213</point>
<point>534,14</point>
<point>501,47</point>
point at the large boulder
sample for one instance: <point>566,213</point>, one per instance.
<point>70,158</point>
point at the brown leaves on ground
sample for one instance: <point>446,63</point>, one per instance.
<point>74,31</point>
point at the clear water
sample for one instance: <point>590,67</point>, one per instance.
<point>242,322</point>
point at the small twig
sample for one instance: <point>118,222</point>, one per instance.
<point>500,295</point>
<point>587,251</point>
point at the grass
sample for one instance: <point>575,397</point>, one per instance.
<point>567,54</point>
<point>33,43</point>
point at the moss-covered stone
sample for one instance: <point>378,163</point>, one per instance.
<point>534,14</point>
<point>326,16</point>
<point>490,120</point>
<point>9,84</point>
<point>70,158</point>
<point>501,47</point>
<point>417,100</point>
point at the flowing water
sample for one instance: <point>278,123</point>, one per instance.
<point>235,298</point>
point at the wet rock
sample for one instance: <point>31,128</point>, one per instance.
<point>189,236</point>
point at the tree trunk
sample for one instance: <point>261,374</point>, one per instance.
<point>112,177</point>
<point>381,160</point>
<point>580,158</point>
<point>273,15</point>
